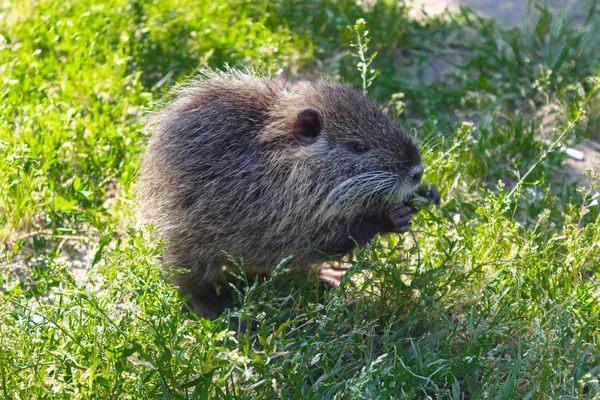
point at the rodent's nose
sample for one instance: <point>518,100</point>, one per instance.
<point>415,174</point>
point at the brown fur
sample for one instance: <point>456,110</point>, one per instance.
<point>223,172</point>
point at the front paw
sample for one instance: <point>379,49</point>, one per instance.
<point>434,196</point>
<point>400,215</point>
<point>425,196</point>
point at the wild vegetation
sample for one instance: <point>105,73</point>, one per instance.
<point>494,295</point>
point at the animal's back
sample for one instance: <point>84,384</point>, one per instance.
<point>202,145</point>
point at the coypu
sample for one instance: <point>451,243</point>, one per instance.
<point>240,165</point>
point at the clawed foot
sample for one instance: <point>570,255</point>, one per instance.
<point>333,272</point>
<point>400,215</point>
<point>434,195</point>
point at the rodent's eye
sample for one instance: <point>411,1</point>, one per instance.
<point>359,148</point>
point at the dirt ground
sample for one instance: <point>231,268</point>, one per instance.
<point>509,12</point>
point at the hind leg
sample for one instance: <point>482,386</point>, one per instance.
<point>205,299</point>
<point>333,272</point>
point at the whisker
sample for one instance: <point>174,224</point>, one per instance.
<point>361,192</point>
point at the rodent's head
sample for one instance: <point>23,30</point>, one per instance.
<point>350,145</point>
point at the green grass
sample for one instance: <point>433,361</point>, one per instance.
<point>494,295</point>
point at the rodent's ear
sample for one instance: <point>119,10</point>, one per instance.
<point>307,126</point>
